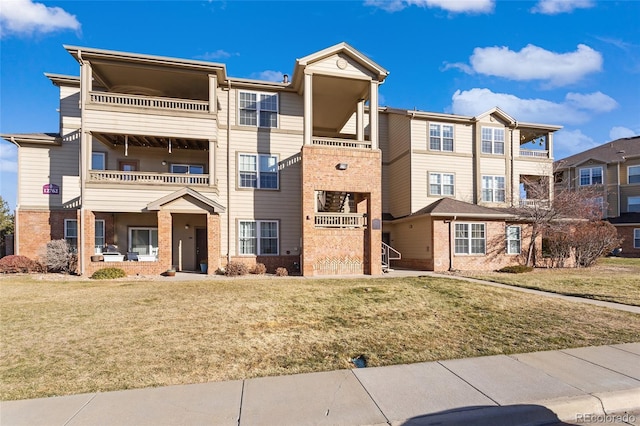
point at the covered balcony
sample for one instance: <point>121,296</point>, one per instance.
<point>151,160</point>
<point>534,192</point>
<point>535,144</point>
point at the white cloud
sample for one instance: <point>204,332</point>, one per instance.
<point>269,75</point>
<point>8,158</point>
<point>218,54</point>
<point>569,142</point>
<point>554,7</point>
<point>453,6</point>
<point>619,132</point>
<point>24,17</point>
<point>534,63</point>
<point>476,101</point>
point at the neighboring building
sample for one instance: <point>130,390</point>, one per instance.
<point>614,169</point>
<point>173,162</point>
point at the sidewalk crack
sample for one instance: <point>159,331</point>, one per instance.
<point>80,409</point>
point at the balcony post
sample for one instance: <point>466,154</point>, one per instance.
<point>213,85</point>
<point>212,162</point>
<point>308,108</point>
<point>360,120</point>
<point>373,114</point>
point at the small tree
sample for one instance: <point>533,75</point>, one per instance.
<point>6,223</point>
<point>592,240</point>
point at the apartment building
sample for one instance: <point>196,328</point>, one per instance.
<point>613,169</point>
<point>165,162</point>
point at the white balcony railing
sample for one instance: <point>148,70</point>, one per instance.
<point>140,101</point>
<point>113,176</point>
<point>340,143</point>
<point>340,220</point>
<point>534,153</point>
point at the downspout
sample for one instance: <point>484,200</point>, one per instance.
<point>513,187</point>
<point>228,171</point>
<point>82,163</point>
<point>450,242</point>
<point>16,245</point>
<point>618,192</point>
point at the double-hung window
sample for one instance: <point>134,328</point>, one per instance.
<point>633,204</point>
<point>441,137</point>
<point>633,174</point>
<point>71,233</point>
<point>143,240</point>
<point>258,237</point>
<point>441,184</point>
<point>492,140</point>
<point>470,238</point>
<point>493,189</point>
<point>636,238</point>
<point>258,109</point>
<point>514,237</point>
<point>99,234</point>
<point>591,176</point>
<point>258,171</point>
<point>187,168</point>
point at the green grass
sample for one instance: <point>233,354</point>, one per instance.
<point>80,336</point>
<point>612,280</point>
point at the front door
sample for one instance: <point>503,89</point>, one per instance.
<point>201,245</point>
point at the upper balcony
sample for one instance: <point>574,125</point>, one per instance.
<point>148,102</point>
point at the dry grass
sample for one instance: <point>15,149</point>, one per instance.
<point>85,336</point>
<point>611,280</point>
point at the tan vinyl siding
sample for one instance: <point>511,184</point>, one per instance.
<point>493,166</point>
<point>463,142</point>
<point>400,187</point>
<point>329,66</point>
<point>39,166</point>
<point>412,238</point>
<point>399,130</point>
<point>111,199</point>
<point>69,107</point>
<point>291,111</point>
<point>534,168</point>
<point>283,204</point>
<point>150,124</point>
<point>611,174</point>
<point>150,159</point>
<point>423,164</point>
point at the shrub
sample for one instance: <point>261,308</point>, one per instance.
<point>259,269</point>
<point>282,272</point>
<point>516,269</point>
<point>235,269</point>
<point>108,274</point>
<point>58,257</point>
<point>15,263</point>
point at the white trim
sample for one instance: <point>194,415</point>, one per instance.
<point>636,239</point>
<point>441,184</point>
<point>495,191</point>
<point>104,159</point>
<point>67,236</point>
<point>441,137</point>
<point>258,108</point>
<point>98,247</point>
<point>494,131</point>
<point>519,239</point>
<point>258,171</point>
<point>591,169</point>
<point>151,249</point>
<point>629,174</point>
<point>635,197</point>
<point>257,237</point>
<point>469,239</point>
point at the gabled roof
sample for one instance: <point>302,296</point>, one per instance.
<point>500,113</point>
<point>357,56</point>
<point>33,138</point>
<point>185,192</point>
<point>611,152</point>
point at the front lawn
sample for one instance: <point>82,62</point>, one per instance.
<point>85,336</point>
<point>611,279</point>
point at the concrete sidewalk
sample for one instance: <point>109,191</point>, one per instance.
<point>536,388</point>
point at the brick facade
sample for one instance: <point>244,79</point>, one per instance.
<point>35,228</point>
<point>626,233</point>
<point>343,248</point>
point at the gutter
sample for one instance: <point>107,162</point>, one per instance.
<point>228,171</point>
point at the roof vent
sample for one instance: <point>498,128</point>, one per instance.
<point>621,151</point>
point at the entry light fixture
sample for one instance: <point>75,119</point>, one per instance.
<point>342,166</point>
<point>186,226</point>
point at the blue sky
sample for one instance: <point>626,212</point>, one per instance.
<point>574,63</point>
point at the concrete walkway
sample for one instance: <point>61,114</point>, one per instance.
<point>572,385</point>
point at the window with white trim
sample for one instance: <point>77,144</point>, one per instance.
<point>591,176</point>
<point>258,171</point>
<point>514,235</point>
<point>258,109</point>
<point>98,161</point>
<point>633,174</point>
<point>636,238</point>
<point>187,168</point>
<point>99,235</point>
<point>493,189</point>
<point>143,240</point>
<point>492,140</point>
<point>440,137</point>
<point>633,204</point>
<point>470,238</point>
<point>258,237</point>
<point>441,184</point>
<point>71,233</point>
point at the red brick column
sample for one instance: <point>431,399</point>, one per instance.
<point>164,238</point>
<point>213,242</point>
